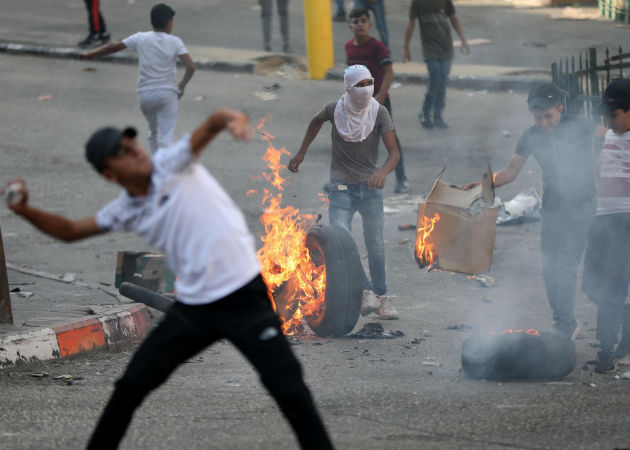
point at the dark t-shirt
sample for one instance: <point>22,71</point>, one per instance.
<point>567,157</point>
<point>373,55</point>
<point>435,30</point>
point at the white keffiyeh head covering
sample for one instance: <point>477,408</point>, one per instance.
<point>356,110</point>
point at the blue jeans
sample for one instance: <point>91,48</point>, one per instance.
<point>563,239</point>
<point>369,203</point>
<point>378,9</point>
<point>400,167</point>
<point>435,98</point>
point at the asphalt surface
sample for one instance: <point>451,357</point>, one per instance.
<point>401,393</point>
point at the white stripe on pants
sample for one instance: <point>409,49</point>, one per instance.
<point>160,109</point>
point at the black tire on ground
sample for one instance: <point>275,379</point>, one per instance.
<point>334,247</point>
<point>514,356</point>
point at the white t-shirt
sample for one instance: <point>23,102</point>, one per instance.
<point>189,216</point>
<point>613,192</point>
<point>157,58</point>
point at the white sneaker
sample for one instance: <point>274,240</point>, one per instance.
<point>371,303</point>
<point>387,310</point>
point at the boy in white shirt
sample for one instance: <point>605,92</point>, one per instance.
<point>158,90</point>
<point>606,263</point>
<point>179,207</point>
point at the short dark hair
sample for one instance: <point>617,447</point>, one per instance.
<point>105,143</point>
<point>355,13</point>
<point>160,15</point>
<point>544,96</point>
<point>616,96</point>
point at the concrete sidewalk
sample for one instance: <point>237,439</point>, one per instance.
<point>55,318</point>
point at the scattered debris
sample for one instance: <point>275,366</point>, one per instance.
<point>431,363</point>
<point>67,377</point>
<point>484,280</point>
<point>69,277</point>
<point>271,87</point>
<point>25,294</point>
<point>426,333</point>
<point>591,384</point>
<point>265,96</point>
<point>89,69</point>
<point>375,330</point>
<point>389,210</point>
<point>200,98</point>
<point>17,289</point>
<point>506,134</point>
<point>524,207</point>
<point>403,241</point>
<point>460,327</point>
<point>294,340</point>
<point>38,374</point>
<point>625,375</point>
<point>406,227</point>
<point>43,98</point>
<point>417,340</point>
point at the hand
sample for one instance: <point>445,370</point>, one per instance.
<point>470,185</point>
<point>465,49</point>
<point>377,180</point>
<point>83,56</point>
<point>295,162</point>
<point>180,94</point>
<point>237,123</point>
<point>406,55</point>
<point>20,206</point>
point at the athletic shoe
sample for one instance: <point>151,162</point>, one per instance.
<point>402,188</point>
<point>96,38</point>
<point>104,37</point>
<point>425,121</point>
<point>371,303</point>
<point>387,310</point>
<point>606,363</point>
<point>571,333</point>
<point>439,122</point>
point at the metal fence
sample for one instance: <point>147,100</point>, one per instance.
<point>583,79</point>
<point>618,10</point>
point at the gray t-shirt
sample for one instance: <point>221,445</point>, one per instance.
<point>355,162</point>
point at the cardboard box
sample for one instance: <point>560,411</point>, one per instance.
<point>145,269</point>
<point>461,241</point>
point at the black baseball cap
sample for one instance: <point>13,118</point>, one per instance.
<point>104,144</point>
<point>616,96</point>
<point>544,96</point>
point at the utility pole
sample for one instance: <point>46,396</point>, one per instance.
<point>319,38</point>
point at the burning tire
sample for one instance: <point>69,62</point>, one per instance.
<point>334,247</point>
<point>518,355</point>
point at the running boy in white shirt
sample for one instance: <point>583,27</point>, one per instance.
<point>179,207</point>
<point>158,90</point>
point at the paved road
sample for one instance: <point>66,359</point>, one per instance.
<point>373,394</point>
<point>520,37</point>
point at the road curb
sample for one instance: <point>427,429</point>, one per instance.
<point>117,327</point>
<point>496,84</point>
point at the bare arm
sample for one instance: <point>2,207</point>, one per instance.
<point>388,77</point>
<point>107,49</point>
<point>600,131</point>
<point>509,174</point>
<point>311,132</point>
<point>190,70</point>
<point>408,33</point>
<point>236,122</point>
<point>54,225</point>
<point>377,179</point>
<point>460,31</point>
<point>504,176</point>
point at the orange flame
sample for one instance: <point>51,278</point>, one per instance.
<point>425,252</point>
<point>296,285</point>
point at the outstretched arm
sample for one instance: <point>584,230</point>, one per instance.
<point>311,133</point>
<point>107,49</point>
<point>460,31</point>
<point>236,122</point>
<point>377,180</point>
<point>504,176</point>
<point>190,70</point>
<point>53,224</point>
<point>408,33</point>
